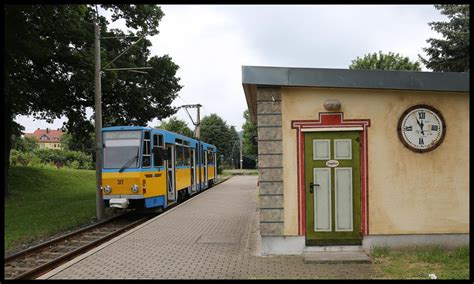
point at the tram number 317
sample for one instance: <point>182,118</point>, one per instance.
<point>120,181</point>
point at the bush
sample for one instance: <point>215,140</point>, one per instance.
<point>53,157</point>
<point>20,158</point>
<point>73,165</point>
<point>78,159</point>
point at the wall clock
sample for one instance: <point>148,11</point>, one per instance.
<point>421,128</point>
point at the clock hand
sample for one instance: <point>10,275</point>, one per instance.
<point>421,126</point>
<point>417,121</point>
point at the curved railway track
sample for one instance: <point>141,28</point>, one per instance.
<point>41,258</point>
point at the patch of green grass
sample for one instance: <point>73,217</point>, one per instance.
<point>225,173</point>
<point>44,201</point>
<point>419,262</point>
<point>247,172</point>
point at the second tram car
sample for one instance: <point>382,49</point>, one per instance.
<point>150,168</point>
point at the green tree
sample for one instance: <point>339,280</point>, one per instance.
<point>82,143</point>
<point>249,132</point>
<point>451,53</point>
<point>25,144</point>
<point>49,68</point>
<point>235,147</point>
<point>176,125</point>
<point>381,61</point>
<point>214,130</point>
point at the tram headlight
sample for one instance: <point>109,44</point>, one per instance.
<point>135,188</point>
<point>108,189</point>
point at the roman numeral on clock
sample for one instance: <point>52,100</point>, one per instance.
<point>420,141</point>
<point>434,127</point>
<point>421,115</point>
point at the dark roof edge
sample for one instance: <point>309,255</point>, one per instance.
<point>365,79</point>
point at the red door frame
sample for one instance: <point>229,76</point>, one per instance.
<point>331,120</point>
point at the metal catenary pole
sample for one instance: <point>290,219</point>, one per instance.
<point>241,160</point>
<point>198,123</point>
<point>100,208</point>
<point>100,211</point>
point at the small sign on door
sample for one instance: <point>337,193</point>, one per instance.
<point>332,163</point>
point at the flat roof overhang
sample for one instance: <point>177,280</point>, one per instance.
<point>261,76</point>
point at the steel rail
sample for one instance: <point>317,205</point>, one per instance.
<point>60,238</point>
<point>61,259</point>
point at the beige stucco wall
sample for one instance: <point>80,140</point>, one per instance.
<point>409,193</point>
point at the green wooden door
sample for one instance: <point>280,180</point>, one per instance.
<point>332,177</point>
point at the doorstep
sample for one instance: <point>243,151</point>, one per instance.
<point>335,254</point>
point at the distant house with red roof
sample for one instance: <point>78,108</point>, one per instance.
<point>47,138</point>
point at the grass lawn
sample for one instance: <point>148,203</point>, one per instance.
<point>45,201</point>
<point>225,173</point>
<point>418,263</point>
<point>251,172</point>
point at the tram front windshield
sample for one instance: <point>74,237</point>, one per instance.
<point>121,149</point>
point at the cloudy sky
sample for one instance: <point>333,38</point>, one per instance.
<point>210,43</point>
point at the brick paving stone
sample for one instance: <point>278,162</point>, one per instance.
<point>212,236</point>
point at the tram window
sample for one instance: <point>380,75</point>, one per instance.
<point>210,157</point>
<point>187,156</point>
<point>160,141</point>
<point>146,156</point>
<point>190,154</point>
<point>179,155</point>
<point>157,152</point>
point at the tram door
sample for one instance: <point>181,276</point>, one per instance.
<point>205,169</point>
<point>170,173</point>
<point>193,170</point>
<point>215,166</point>
<point>200,167</point>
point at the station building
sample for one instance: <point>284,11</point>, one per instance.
<point>360,157</point>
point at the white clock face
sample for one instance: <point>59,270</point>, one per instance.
<point>421,129</point>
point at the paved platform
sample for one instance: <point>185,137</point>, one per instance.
<point>212,236</point>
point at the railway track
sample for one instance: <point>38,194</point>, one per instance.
<point>41,258</point>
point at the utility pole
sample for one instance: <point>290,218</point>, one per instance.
<point>100,211</point>
<point>198,123</point>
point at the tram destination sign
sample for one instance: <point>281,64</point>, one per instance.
<point>114,135</point>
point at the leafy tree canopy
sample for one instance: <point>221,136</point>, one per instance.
<point>249,131</point>
<point>25,144</point>
<point>82,143</point>
<point>176,125</point>
<point>234,146</point>
<point>214,130</point>
<point>382,61</point>
<point>49,67</point>
<point>451,53</point>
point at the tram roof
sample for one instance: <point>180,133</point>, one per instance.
<point>160,130</point>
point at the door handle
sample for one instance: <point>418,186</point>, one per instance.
<point>311,186</point>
